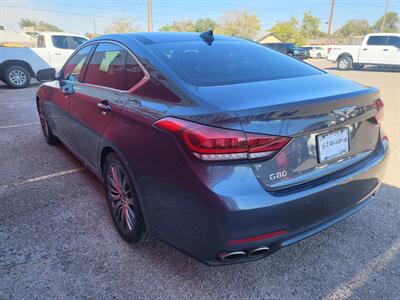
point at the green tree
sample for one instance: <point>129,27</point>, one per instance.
<point>310,26</point>
<point>239,23</point>
<point>353,28</point>
<point>179,26</point>
<point>202,25</point>
<point>391,23</point>
<point>38,26</point>
<point>289,32</point>
<point>122,26</point>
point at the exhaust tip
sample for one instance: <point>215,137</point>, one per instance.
<point>261,251</point>
<point>231,256</point>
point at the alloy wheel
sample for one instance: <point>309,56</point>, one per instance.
<point>121,196</point>
<point>43,121</point>
<point>17,77</point>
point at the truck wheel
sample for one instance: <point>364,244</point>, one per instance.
<point>358,66</point>
<point>17,77</point>
<point>344,63</point>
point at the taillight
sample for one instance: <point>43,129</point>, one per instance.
<point>212,143</point>
<point>379,107</point>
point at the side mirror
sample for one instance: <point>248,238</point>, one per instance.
<point>46,75</point>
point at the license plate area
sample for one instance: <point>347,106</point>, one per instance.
<point>333,145</point>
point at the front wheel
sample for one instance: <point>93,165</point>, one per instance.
<point>49,137</point>
<point>17,77</point>
<point>122,200</point>
<point>319,56</point>
<point>344,63</point>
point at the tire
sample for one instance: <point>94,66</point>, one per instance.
<point>319,56</point>
<point>122,200</point>
<point>344,63</point>
<point>358,66</point>
<point>17,77</point>
<point>48,135</point>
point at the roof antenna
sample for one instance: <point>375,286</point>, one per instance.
<point>207,36</point>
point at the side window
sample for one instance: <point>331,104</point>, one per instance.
<point>394,41</point>
<point>75,41</point>
<point>378,40</point>
<point>106,67</point>
<point>60,41</point>
<point>73,68</point>
<point>41,42</point>
<point>133,73</point>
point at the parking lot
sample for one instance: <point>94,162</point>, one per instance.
<point>57,239</point>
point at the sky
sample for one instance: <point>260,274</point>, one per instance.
<point>81,16</point>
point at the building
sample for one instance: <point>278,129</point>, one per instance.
<point>267,37</point>
<point>17,38</point>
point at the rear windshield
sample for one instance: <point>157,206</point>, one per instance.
<point>228,62</point>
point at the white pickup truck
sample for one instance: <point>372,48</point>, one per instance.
<point>377,49</point>
<point>19,65</point>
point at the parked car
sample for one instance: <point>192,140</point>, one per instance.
<point>219,146</point>
<point>378,49</point>
<point>289,49</point>
<point>316,51</point>
<point>18,65</point>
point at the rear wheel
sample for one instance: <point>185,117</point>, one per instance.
<point>50,138</point>
<point>344,63</point>
<point>122,200</point>
<point>17,76</point>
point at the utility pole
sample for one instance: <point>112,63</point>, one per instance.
<point>149,16</point>
<point>330,18</point>
<point>94,25</point>
<point>384,16</point>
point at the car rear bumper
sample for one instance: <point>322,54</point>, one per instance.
<point>228,204</point>
<point>303,211</point>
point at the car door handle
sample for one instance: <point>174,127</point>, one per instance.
<point>365,49</point>
<point>104,107</point>
<point>57,53</point>
<point>385,49</point>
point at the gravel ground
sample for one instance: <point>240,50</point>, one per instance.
<point>57,239</point>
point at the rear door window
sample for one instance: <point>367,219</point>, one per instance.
<point>112,66</point>
<point>73,70</point>
<point>378,40</point>
<point>60,41</point>
<point>76,41</point>
<point>394,41</point>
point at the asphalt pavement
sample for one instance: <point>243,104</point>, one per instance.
<point>57,239</point>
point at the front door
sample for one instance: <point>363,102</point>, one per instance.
<point>59,107</point>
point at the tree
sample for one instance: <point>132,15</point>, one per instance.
<point>353,28</point>
<point>391,23</point>
<point>202,25</point>
<point>310,26</point>
<point>288,31</point>
<point>239,23</point>
<point>122,26</point>
<point>179,26</point>
<point>41,26</point>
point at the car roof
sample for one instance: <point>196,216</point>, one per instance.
<point>165,37</point>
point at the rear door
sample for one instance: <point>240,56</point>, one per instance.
<point>97,99</point>
<point>394,50</point>
<point>375,51</point>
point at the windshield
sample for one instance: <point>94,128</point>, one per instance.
<point>228,62</point>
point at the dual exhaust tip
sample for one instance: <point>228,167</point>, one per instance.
<point>238,255</point>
